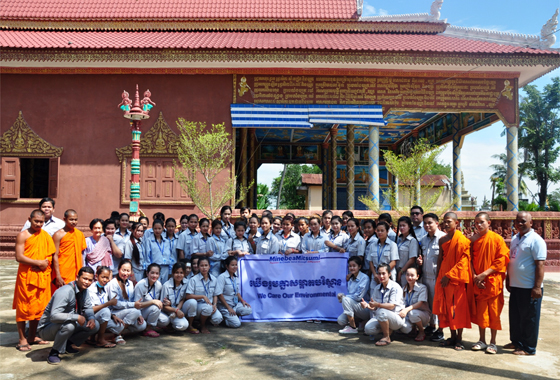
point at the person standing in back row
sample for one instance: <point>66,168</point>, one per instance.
<point>525,283</point>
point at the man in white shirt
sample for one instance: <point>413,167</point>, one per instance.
<point>417,215</point>
<point>524,281</point>
<point>52,223</point>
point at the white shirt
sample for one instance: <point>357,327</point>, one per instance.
<point>50,226</point>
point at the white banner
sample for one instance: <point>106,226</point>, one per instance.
<point>293,288</point>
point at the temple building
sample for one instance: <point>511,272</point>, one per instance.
<point>294,81</point>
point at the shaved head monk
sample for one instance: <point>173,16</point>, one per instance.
<point>69,243</point>
<point>34,249</point>
<point>450,298</point>
<point>490,257</point>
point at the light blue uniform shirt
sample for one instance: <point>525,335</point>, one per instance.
<point>128,248</point>
<point>219,247</point>
<point>227,231</point>
<point>114,290</point>
<point>174,293</point>
<point>199,287</point>
<point>267,244</point>
<point>239,244</point>
<point>339,240</point>
<point>200,244</point>
<point>312,243</point>
<point>420,232</point>
<point>392,235</point>
<point>185,242</point>
<point>143,292</point>
<point>430,253</point>
<point>407,248</point>
<point>158,252</point>
<point>229,287</point>
<point>393,293</point>
<point>97,294</point>
<point>292,241</point>
<point>358,287</point>
<point>383,254</point>
<point>173,241</point>
<point>523,253</point>
<point>355,246</point>
<point>120,241</point>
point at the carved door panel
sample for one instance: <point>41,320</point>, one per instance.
<point>149,186</point>
<point>10,177</point>
<point>167,180</point>
<point>54,164</point>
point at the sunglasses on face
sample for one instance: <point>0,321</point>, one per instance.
<point>415,213</point>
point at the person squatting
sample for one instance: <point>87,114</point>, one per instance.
<point>128,279</point>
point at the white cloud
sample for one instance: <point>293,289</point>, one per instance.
<point>370,10</point>
<point>383,12</point>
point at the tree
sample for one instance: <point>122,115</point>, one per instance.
<point>289,199</point>
<point>204,154</point>
<point>263,196</point>
<point>500,171</point>
<point>409,168</point>
<point>539,134</point>
<point>440,168</point>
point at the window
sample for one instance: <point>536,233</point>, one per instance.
<point>24,177</point>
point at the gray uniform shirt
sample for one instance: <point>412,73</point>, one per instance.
<point>430,251</point>
<point>229,287</point>
<point>391,294</point>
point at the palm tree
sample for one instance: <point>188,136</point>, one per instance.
<point>500,171</point>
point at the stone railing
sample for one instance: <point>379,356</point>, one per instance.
<point>546,224</point>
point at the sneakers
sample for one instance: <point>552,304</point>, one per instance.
<point>437,337</point>
<point>316,321</point>
<point>348,330</point>
<point>53,358</point>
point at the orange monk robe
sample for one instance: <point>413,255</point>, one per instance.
<point>490,251</point>
<point>33,290</point>
<point>451,303</point>
<point>70,255</point>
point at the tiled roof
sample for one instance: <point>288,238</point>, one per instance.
<point>437,180</point>
<point>253,40</point>
<point>311,179</point>
<point>178,9</point>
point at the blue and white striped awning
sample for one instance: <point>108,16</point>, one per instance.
<point>347,114</point>
<point>303,115</point>
<point>270,116</point>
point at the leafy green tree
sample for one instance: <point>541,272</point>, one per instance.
<point>409,168</point>
<point>440,168</point>
<point>203,154</point>
<point>500,171</point>
<point>539,134</point>
<point>263,196</point>
<point>289,198</point>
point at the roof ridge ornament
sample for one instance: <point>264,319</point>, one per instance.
<point>435,8</point>
<point>359,7</point>
<point>548,39</point>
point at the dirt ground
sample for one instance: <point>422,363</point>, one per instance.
<point>282,350</point>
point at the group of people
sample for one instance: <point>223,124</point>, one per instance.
<point>136,278</point>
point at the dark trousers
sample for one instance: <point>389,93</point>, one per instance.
<point>524,316</point>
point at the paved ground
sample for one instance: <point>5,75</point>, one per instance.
<point>281,350</point>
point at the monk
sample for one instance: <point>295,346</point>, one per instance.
<point>69,243</point>
<point>450,298</point>
<point>490,257</point>
<point>34,250</point>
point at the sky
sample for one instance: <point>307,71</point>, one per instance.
<point>513,16</point>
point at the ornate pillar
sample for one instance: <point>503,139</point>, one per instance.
<point>373,172</point>
<point>325,170</point>
<point>134,208</point>
<point>397,191</point>
<point>334,134</point>
<point>252,199</point>
<point>243,157</point>
<point>350,167</point>
<point>512,181</point>
<point>418,191</point>
<point>457,188</point>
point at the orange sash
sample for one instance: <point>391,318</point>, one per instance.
<point>70,254</point>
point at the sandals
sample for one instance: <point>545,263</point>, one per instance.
<point>151,334</point>
<point>193,331</point>
<point>448,343</point>
<point>479,346</point>
<point>119,340</point>
<point>23,347</point>
<point>491,349</point>
<point>509,346</point>
<point>459,346</point>
<point>106,345</point>
<point>39,341</point>
<point>382,343</point>
<point>420,339</point>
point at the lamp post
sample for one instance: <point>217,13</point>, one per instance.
<point>140,111</point>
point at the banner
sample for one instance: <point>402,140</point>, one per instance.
<point>296,287</point>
